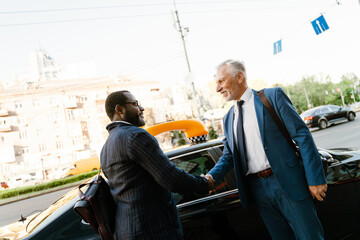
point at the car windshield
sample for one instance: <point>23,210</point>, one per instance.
<point>309,112</point>
<point>41,217</point>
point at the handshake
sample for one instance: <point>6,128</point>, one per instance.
<point>211,182</point>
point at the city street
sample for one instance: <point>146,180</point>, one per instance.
<point>344,134</point>
<point>12,212</point>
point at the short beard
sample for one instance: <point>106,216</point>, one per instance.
<point>136,121</point>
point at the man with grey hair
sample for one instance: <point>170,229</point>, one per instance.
<point>268,171</point>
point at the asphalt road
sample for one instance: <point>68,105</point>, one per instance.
<point>12,212</point>
<point>346,134</point>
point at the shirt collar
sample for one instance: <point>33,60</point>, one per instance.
<point>113,124</point>
<point>245,97</point>
<point>122,122</point>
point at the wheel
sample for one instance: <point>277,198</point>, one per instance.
<point>322,124</point>
<point>95,169</point>
<point>351,116</point>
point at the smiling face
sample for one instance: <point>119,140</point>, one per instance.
<point>130,111</point>
<point>231,87</point>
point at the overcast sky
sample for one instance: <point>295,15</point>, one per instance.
<point>138,38</point>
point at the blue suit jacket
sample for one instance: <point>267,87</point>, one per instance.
<point>141,179</point>
<point>293,176</point>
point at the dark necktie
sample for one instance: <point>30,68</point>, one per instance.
<point>241,139</point>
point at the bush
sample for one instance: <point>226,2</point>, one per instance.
<point>29,189</point>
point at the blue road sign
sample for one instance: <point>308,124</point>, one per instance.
<point>277,47</point>
<point>320,25</point>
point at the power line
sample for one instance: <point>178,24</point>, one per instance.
<point>82,20</point>
<point>132,16</point>
<point>130,6</point>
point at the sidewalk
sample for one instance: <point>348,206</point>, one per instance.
<point>35,194</point>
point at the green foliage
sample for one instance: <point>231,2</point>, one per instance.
<point>29,189</point>
<point>321,91</point>
<point>178,138</point>
<point>212,133</point>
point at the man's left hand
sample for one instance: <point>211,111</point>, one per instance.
<point>318,191</point>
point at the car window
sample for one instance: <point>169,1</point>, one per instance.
<point>309,112</point>
<point>196,163</point>
<point>334,108</point>
<point>337,174</point>
<point>323,110</point>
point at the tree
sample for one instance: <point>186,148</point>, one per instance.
<point>178,138</point>
<point>321,91</point>
<point>212,133</point>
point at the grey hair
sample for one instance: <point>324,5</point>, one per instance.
<point>234,67</point>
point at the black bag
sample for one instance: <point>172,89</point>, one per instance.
<point>97,207</point>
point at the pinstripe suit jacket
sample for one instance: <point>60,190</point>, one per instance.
<point>141,179</point>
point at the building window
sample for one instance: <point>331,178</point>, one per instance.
<point>36,103</point>
<point>70,115</point>
<point>21,121</point>
<point>18,105</point>
<point>42,147</point>
<point>2,122</point>
<point>59,144</point>
<point>25,151</point>
<point>76,140</point>
<point>23,134</point>
<point>83,99</point>
<point>54,116</point>
<point>40,132</point>
<point>2,139</point>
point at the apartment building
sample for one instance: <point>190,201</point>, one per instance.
<point>48,125</point>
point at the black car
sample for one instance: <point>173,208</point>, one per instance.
<point>221,216</point>
<point>326,115</point>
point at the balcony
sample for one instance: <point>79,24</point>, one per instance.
<point>4,113</point>
<point>71,102</point>
<point>5,127</point>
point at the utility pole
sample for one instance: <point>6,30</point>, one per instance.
<point>180,29</point>
<point>307,99</point>
<point>182,37</point>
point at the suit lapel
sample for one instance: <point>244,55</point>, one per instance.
<point>259,109</point>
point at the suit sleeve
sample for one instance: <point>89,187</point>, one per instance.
<point>145,151</point>
<point>224,165</point>
<point>300,133</point>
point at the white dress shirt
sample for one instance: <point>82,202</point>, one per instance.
<point>257,160</point>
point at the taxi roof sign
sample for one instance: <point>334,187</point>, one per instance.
<point>194,130</point>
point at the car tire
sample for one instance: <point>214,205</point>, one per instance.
<point>322,124</point>
<point>351,116</point>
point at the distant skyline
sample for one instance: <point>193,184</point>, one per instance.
<point>138,38</point>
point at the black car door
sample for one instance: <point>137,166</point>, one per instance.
<point>337,113</point>
<point>339,212</point>
<point>216,216</point>
<point>329,113</point>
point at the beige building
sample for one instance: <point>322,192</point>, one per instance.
<point>46,126</point>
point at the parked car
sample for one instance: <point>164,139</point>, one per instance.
<point>324,116</point>
<point>4,185</point>
<point>219,216</point>
<point>23,180</point>
<point>82,166</point>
